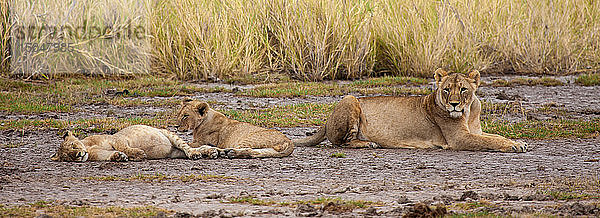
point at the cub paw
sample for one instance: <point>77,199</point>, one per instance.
<point>207,152</point>
<point>373,145</point>
<point>138,155</point>
<point>195,154</point>
<point>119,157</point>
<point>237,153</point>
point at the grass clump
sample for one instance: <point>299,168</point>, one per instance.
<point>329,204</point>
<point>548,129</point>
<point>294,90</point>
<point>473,205</point>
<point>338,155</point>
<point>388,81</point>
<point>159,177</point>
<point>65,95</point>
<point>54,209</point>
<point>588,79</point>
<point>383,85</point>
<point>252,200</point>
<point>95,125</point>
<point>305,114</point>
<point>544,81</point>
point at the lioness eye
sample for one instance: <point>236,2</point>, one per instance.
<point>446,90</point>
<point>463,89</point>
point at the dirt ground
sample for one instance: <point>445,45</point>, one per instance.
<point>394,181</point>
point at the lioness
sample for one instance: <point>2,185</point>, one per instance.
<point>233,139</point>
<point>136,143</point>
<point>448,118</point>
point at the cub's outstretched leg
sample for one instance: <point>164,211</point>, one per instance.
<point>345,124</point>
<point>108,155</point>
<point>283,150</point>
<point>192,153</point>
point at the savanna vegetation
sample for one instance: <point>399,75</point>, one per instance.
<point>316,40</point>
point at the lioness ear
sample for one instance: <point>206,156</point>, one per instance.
<point>54,157</point>
<point>474,75</point>
<point>438,75</point>
<point>203,108</point>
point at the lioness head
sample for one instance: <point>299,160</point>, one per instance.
<point>455,92</point>
<point>191,114</point>
<point>71,150</point>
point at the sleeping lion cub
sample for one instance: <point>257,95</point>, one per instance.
<point>448,118</point>
<point>135,143</point>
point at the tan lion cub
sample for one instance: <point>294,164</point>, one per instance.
<point>135,143</point>
<point>233,139</point>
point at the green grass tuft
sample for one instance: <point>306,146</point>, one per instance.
<point>588,79</point>
<point>544,81</point>
<point>338,155</point>
<point>50,208</point>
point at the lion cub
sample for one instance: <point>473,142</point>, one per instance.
<point>135,143</point>
<point>448,118</point>
<point>231,138</point>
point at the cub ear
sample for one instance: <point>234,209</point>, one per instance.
<point>54,157</point>
<point>438,75</point>
<point>203,108</point>
<point>186,100</point>
<point>474,75</point>
<point>67,134</point>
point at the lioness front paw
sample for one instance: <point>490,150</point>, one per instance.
<point>119,157</point>
<point>517,147</point>
<point>520,147</point>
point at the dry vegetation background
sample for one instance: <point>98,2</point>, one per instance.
<point>315,40</point>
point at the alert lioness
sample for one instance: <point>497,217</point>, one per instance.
<point>136,143</point>
<point>447,118</point>
<point>231,138</point>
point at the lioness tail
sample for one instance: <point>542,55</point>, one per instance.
<point>311,140</point>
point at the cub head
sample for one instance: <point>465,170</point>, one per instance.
<point>71,150</point>
<point>455,92</point>
<point>192,114</point>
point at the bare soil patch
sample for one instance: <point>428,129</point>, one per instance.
<point>557,177</point>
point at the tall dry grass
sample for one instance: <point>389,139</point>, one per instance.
<point>4,38</point>
<point>314,40</point>
<point>98,32</point>
<point>332,39</point>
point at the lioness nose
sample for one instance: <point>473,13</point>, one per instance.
<point>454,104</point>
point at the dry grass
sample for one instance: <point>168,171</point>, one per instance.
<point>315,40</point>
<point>4,38</point>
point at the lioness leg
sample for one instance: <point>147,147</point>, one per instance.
<point>345,124</point>
<point>360,144</point>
